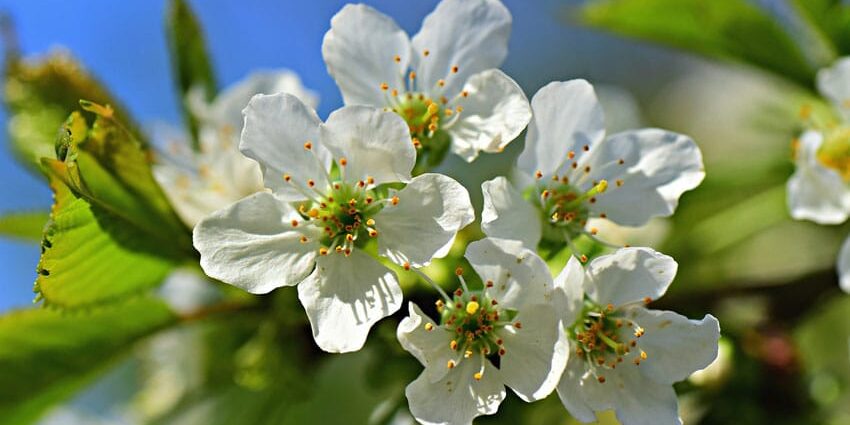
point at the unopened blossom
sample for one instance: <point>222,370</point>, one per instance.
<point>819,190</point>
<point>198,183</point>
<point>335,187</point>
<point>570,172</point>
<point>443,81</point>
<point>511,320</point>
<point>624,356</point>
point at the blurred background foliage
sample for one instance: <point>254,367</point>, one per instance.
<point>128,330</point>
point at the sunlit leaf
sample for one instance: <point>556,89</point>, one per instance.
<point>191,64</point>
<point>27,226</point>
<point>46,355</point>
<point>725,29</point>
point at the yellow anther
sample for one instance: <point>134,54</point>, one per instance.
<point>454,69</point>
<point>433,108</point>
<point>450,364</point>
<point>406,265</point>
<point>441,83</point>
<point>426,52</point>
<point>370,222</point>
<point>429,327</point>
<point>619,182</point>
<point>313,213</point>
<point>294,223</point>
<point>349,237</point>
<point>412,75</point>
<point>385,86</point>
<point>594,231</point>
<point>323,251</point>
<point>478,376</point>
<point>311,183</point>
<point>370,180</point>
<point>373,233</point>
<point>602,186</point>
<point>432,127</point>
<point>308,145</point>
<point>459,109</point>
<point>343,162</point>
<point>397,58</point>
<point>464,93</point>
<point>459,271</point>
<point>394,93</point>
<point>467,354</point>
<point>453,345</point>
<point>287,178</point>
<point>472,307</point>
<point>394,200</point>
<point>643,355</point>
<point>538,175</point>
<point>304,239</point>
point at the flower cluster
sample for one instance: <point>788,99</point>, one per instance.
<point>328,205</point>
<point>819,190</point>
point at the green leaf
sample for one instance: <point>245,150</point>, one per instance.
<point>189,59</point>
<point>91,254</point>
<point>27,226</point>
<point>832,17</point>
<point>720,29</point>
<point>39,95</point>
<point>46,355</point>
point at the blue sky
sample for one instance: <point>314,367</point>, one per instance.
<point>123,44</point>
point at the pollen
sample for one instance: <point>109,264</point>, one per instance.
<point>287,178</point>
<point>472,307</point>
<point>426,52</point>
<point>323,251</point>
<point>394,200</point>
<point>406,265</point>
<point>464,93</point>
<point>397,59</point>
<point>308,145</point>
<point>310,183</point>
<point>343,162</point>
<point>385,86</point>
<point>455,69</point>
<point>294,223</point>
<point>453,345</point>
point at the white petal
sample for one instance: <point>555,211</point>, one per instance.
<point>276,129</point>
<point>431,210</point>
<point>519,276</point>
<point>566,117</point>
<point>345,296</point>
<point>635,399</point>
<point>251,244</point>
<point>675,345</point>
<point>494,113</point>
<point>569,291</point>
<point>375,143</point>
<point>834,83</point>
<point>535,355</point>
<point>470,34</point>
<point>458,398</point>
<point>188,194</point>
<point>815,192</point>
<point>507,215</point>
<point>658,166</point>
<point>571,390</point>
<point>226,108</point>
<point>431,348</point>
<point>843,266</point>
<point>359,51</point>
<point>629,275</point>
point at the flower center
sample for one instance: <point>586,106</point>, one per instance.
<point>835,151</point>
<point>427,112</point>
<point>474,320</point>
<point>343,211</point>
<point>604,337</point>
<point>344,214</point>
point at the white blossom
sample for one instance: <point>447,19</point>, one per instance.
<point>443,81</point>
<point>569,172</point>
<point>624,356</point>
<point>333,190</point>
<point>512,319</point>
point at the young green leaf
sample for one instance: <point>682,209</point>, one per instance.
<point>729,29</point>
<point>189,59</point>
<point>91,254</point>
<point>46,355</point>
<point>27,226</point>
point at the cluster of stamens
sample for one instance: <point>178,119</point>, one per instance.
<point>605,338</point>
<point>564,206</point>
<point>343,211</point>
<point>474,321</point>
<point>426,110</point>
